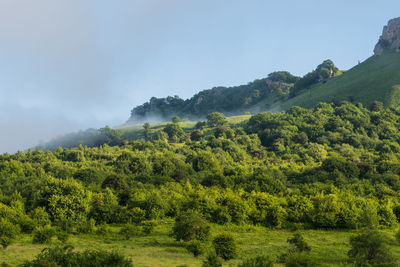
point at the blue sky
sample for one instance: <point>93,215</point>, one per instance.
<point>71,64</point>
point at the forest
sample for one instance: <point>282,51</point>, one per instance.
<point>333,170</point>
<point>277,86</point>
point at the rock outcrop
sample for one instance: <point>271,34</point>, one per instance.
<point>390,38</point>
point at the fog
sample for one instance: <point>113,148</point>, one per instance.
<point>70,64</point>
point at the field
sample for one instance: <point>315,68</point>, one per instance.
<point>158,249</point>
<point>136,132</point>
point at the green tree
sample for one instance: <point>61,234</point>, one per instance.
<point>176,119</point>
<point>146,128</point>
<point>370,247</point>
<point>215,119</point>
<point>8,232</point>
<point>115,181</point>
<point>225,246</point>
<point>190,225</point>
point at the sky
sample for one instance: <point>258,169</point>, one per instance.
<point>67,65</point>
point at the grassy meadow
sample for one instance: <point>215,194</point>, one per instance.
<point>377,78</point>
<point>159,249</point>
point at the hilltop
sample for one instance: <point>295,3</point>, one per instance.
<point>375,79</point>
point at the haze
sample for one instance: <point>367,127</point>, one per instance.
<point>67,65</point>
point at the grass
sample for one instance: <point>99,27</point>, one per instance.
<point>136,132</point>
<point>377,78</point>
<point>158,249</point>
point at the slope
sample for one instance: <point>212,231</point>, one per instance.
<point>377,78</point>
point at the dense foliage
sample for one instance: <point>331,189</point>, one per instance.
<point>66,257</point>
<point>332,167</point>
<point>229,100</point>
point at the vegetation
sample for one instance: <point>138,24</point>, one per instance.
<point>332,170</point>
<point>225,246</point>
<point>65,257</point>
<point>370,247</point>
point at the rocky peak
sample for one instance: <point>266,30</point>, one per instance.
<point>390,38</point>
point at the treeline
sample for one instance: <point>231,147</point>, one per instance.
<point>233,100</point>
<point>332,167</point>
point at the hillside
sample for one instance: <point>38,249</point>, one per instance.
<point>327,173</point>
<point>377,78</point>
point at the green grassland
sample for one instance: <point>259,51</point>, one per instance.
<point>377,78</point>
<point>136,132</point>
<point>159,249</point>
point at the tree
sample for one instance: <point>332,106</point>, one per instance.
<point>225,246</point>
<point>215,119</point>
<point>176,119</point>
<point>370,247</point>
<point>190,225</point>
<point>300,245</point>
<point>112,137</point>
<point>196,135</point>
<point>146,128</point>
<point>377,106</point>
<point>115,181</point>
<point>174,131</point>
<point>8,232</point>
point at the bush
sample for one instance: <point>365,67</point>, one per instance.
<point>300,260</point>
<point>130,231</point>
<point>300,245</point>
<point>259,261</point>
<point>65,257</point>
<point>62,236</point>
<point>190,225</point>
<point>370,247</point>
<point>212,261</point>
<point>137,215</point>
<point>398,236</point>
<point>225,246</point>
<point>8,231</point>
<point>43,234</point>
<point>196,247</point>
<point>148,227</point>
<point>103,229</point>
<point>87,227</point>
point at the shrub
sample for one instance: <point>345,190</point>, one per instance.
<point>115,181</point>
<point>65,257</point>
<point>190,225</point>
<point>130,231</point>
<point>225,246</point>
<point>369,247</point>
<point>300,245</point>
<point>62,236</point>
<point>300,260</point>
<point>87,227</point>
<point>196,247</point>
<point>102,229</point>
<point>259,261</point>
<point>43,234</point>
<point>148,227</point>
<point>398,236</point>
<point>137,215</point>
<point>8,231</point>
<point>212,261</point>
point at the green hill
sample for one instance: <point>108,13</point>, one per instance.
<point>377,78</point>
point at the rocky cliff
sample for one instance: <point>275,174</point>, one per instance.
<point>390,38</point>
